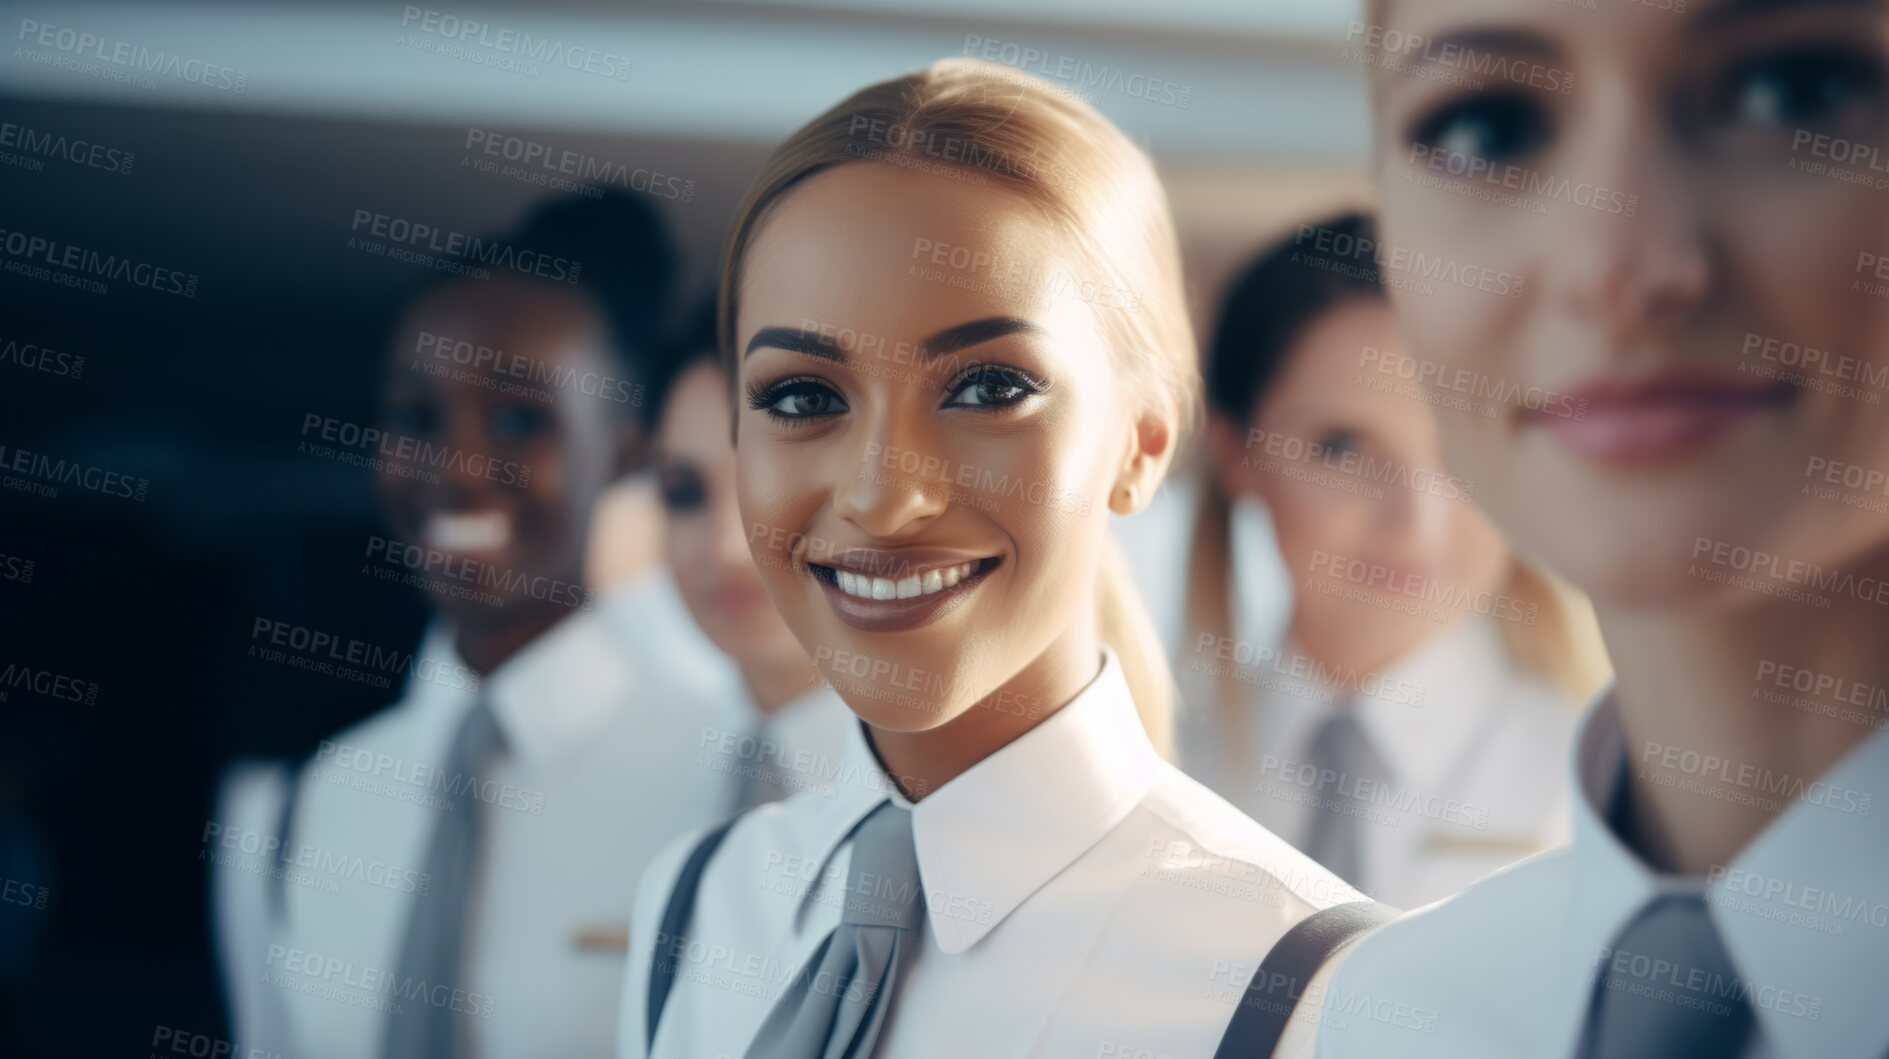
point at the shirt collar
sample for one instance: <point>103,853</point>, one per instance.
<point>1457,672</point>
<point>1814,992</point>
<point>560,689</point>
<point>1003,828</point>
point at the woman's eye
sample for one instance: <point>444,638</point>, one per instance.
<point>797,399</point>
<point>682,490</point>
<point>1495,129</point>
<point>1815,87</point>
<point>992,388</point>
<point>516,422</point>
<point>1338,442</point>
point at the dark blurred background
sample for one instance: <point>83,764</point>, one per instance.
<point>145,607</point>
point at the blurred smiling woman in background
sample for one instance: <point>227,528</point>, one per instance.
<point>948,376</point>
<point>1450,706</point>
<point>1730,840</point>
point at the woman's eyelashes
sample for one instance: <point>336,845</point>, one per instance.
<point>1819,86</point>
<point>982,387</point>
<point>1494,127</point>
<point>992,386</point>
<point>795,399</point>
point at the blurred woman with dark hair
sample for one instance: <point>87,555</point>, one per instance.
<point>449,876</point>
<point>1394,732</point>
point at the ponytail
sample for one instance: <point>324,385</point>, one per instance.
<point>1122,621</point>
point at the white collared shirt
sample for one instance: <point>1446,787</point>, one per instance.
<point>606,759</point>
<point>1462,732</point>
<point>1084,898</point>
<point>1507,968</point>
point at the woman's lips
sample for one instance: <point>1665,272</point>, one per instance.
<point>894,592</point>
<point>1660,417</point>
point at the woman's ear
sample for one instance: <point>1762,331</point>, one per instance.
<point>1150,450</point>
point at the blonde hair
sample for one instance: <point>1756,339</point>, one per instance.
<point>1562,645</point>
<point>1020,134</point>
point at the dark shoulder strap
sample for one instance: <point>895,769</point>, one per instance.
<point>1276,986</point>
<point>675,923</point>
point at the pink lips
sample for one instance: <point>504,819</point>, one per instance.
<point>1658,417</point>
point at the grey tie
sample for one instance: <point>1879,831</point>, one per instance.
<point>431,954</point>
<point>1336,838</point>
<point>836,1006</point>
<point>1668,990</point>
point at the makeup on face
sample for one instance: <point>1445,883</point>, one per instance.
<point>905,446</point>
<point>1666,213</point>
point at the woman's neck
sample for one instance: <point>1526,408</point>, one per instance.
<point>1715,747</point>
<point>487,645</point>
<point>922,762</point>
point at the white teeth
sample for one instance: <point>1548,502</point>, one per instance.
<point>863,586</point>
<point>468,532</point>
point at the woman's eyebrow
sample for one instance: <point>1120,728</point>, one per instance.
<point>794,340</point>
<point>949,340</point>
<point>952,339</point>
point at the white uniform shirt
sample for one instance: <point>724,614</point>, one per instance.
<point>1463,733</point>
<point>603,765</point>
<point>1507,968</point>
<point>1084,898</point>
